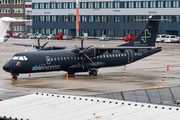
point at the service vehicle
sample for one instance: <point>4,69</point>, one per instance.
<point>59,35</point>
<point>10,32</point>
<point>160,38</point>
<point>170,38</point>
<point>176,39</point>
<point>129,37</point>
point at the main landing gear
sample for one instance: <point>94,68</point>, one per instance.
<point>93,72</point>
<point>14,76</point>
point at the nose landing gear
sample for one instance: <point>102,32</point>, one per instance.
<point>14,76</point>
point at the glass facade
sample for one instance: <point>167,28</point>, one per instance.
<point>115,4</point>
<point>100,24</point>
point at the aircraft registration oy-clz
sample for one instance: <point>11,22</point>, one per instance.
<point>84,59</point>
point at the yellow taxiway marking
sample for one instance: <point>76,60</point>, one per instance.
<point>43,78</point>
<point>9,81</point>
<point>4,75</point>
<point>156,86</point>
<point>24,80</point>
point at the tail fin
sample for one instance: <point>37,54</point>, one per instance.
<point>4,24</point>
<point>148,36</point>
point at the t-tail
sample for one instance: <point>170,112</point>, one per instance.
<point>148,36</point>
<point>4,24</point>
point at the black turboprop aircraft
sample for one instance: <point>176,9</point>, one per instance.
<point>84,59</point>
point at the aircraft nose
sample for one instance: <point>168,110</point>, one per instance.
<point>6,67</point>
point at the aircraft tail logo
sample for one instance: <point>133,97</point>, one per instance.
<point>147,35</point>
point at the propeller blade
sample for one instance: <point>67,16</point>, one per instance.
<point>82,43</point>
<point>83,62</point>
<point>77,47</point>
<point>88,58</point>
<point>44,45</point>
<point>87,48</point>
<point>38,43</point>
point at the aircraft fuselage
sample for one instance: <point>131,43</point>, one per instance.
<point>66,60</point>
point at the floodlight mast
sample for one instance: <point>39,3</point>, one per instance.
<point>77,19</point>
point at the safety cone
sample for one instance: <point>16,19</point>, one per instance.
<point>167,67</point>
<point>163,77</point>
<point>29,75</point>
<point>67,76</point>
<point>124,74</point>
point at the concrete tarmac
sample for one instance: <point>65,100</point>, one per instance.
<point>145,73</point>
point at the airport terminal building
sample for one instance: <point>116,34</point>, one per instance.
<point>98,17</point>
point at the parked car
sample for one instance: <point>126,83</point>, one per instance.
<point>67,37</point>
<point>176,39</point>
<point>51,36</point>
<point>24,35</point>
<point>104,38</point>
<point>16,35</point>
<point>42,36</point>
<point>160,38</point>
<point>6,36</point>
<point>129,37</point>
<point>170,38</point>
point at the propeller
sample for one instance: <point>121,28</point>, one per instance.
<point>82,52</point>
<point>39,46</point>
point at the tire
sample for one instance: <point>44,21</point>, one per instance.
<point>71,73</point>
<point>93,72</point>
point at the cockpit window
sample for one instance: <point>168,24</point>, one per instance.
<point>22,58</point>
<point>15,58</point>
<point>25,58</point>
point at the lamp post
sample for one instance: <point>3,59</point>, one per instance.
<point>77,19</point>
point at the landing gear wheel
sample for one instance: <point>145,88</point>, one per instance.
<point>14,77</point>
<point>93,72</point>
<point>71,73</point>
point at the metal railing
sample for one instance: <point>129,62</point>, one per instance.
<point>165,95</point>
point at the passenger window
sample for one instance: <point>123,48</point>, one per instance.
<point>64,58</point>
<point>104,56</point>
<point>67,58</point>
<point>21,58</point>
<point>122,55</point>
<point>51,59</point>
<point>25,58</point>
<point>15,58</point>
<point>58,59</point>
<point>71,58</point>
<point>107,56</point>
<point>74,58</point>
<point>116,55</point>
<point>119,55</point>
<point>100,56</point>
<point>110,55</point>
<point>97,56</point>
<point>54,59</point>
<point>113,55</point>
<point>61,58</point>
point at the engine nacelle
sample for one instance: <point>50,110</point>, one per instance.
<point>92,52</point>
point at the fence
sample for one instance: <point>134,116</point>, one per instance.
<point>165,95</point>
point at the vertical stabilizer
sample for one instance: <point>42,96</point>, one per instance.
<point>4,24</point>
<point>148,36</point>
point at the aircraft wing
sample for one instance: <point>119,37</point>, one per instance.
<point>45,48</point>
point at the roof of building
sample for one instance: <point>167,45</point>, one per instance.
<point>48,106</point>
